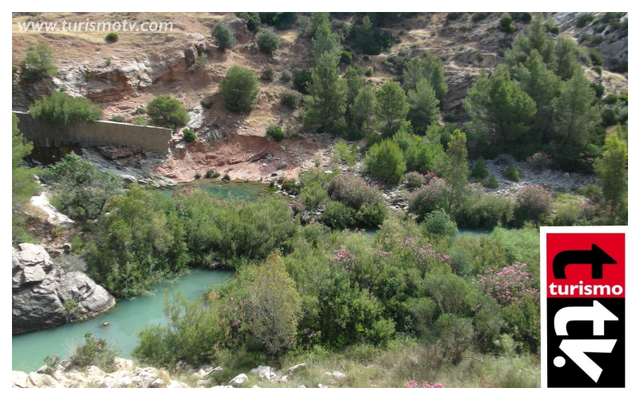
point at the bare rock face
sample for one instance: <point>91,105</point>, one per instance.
<point>240,31</point>
<point>40,290</point>
<point>53,216</point>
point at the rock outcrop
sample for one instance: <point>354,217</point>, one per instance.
<point>54,217</point>
<point>45,296</point>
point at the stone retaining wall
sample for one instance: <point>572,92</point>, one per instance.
<point>97,133</point>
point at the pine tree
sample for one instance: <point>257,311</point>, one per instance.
<point>431,68</point>
<point>566,60</point>
<point>500,110</point>
<point>423,106</point>
<point>534,38</point>
<point>542,85</point>
<point>323,42</point>
<point>317,19</point>
<point>575,114</point>
<point>363,110</point>
<point>392,108</point>
<point>354,84</point>
<point>454,166</point>
<point>328,94</point>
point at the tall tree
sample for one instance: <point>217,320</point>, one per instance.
<point>354,84</point>
<point>328,94</point>
<point>317,19</point>
<point>323,42</point>
<point>392,108</point>
<point>500,110</point>
<point>575,114</point>
<point>565,55</point>
<point>275,306</point>
<point>363,110</point>
<point>423,106</point>
<point>542,85</point>
<point>454,166</point>
<point>611,169</point>
<point>430,68</point>
<point>23,185</point>
<point>534,38</point>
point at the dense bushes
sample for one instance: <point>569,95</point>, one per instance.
<point>60,109</point>
<point>428,198</point>
<point>362,204</point>
<point>80,189</point>
<point>385,160</point>
<point>167,112</point>
<point>534,202</point>
<point>189,135</point>
<point>239,88</point>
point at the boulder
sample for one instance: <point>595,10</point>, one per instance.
<point>41,289</point>
<point>238,380</point>
<point>158,383</point>
<point>298,368</point>
<point>264,372</point>
<point>240,31</point>
<point>19,379</point>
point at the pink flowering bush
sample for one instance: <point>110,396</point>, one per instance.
<point>297,206</point>
<point>533,203</point>
<point>509,285</point>
<point>415,385</point>
<point>94,352</point>
<point>353,191</point>
<point>424,256</point>
<point>426,199</point>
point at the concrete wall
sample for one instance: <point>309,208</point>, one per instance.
<point>94,134</point>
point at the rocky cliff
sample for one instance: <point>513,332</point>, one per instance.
<point>45,296</point>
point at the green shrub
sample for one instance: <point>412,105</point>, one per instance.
<point>94,352</point>
<point>506,23</point>
<point>167,112</point>
<point>207,104</point>
<point>484,211</point>
<point>301,82</point>
<point>140,110</point>
<point>596,57</point>
<point>438,224</point>
<point>364,202</point>
<point>267,73</point>
<point>609,117</point>
<point>454,16</point>
<point>290,99</point>
<point>253,20</point>
<point>337,215</point>
<point>111,37</point>
<point>239,88</point>
<point>211,174</point>
<point>81,189</point>
<point>189,135</point>
<point>268,41</point>
<point>345,57</point>
<point>479,16</point>
<point>197,175</point>
<point>584,20</point>
<point>285,77</point>
<point>368,71</point>
<point>492,183</point>
<point>38,64</point>
<point>385,160</point>
<point>599,89</point>
<point>60,109</point>
<point>512,173</point>
<point>480,169</point>
<point>540,161</point>
<point>554,30</point>
<point>275,132</point>
<point>415,180</point>
<point>140,120</point>
<point>347,153</point>
<point>224,36</point>
<point>118,118</point>
<point>290,186</point>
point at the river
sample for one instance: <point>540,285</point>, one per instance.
<point>125,320</point>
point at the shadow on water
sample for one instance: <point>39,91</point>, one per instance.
<point>125,320</point>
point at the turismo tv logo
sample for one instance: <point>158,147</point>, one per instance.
<point>585,309</point>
